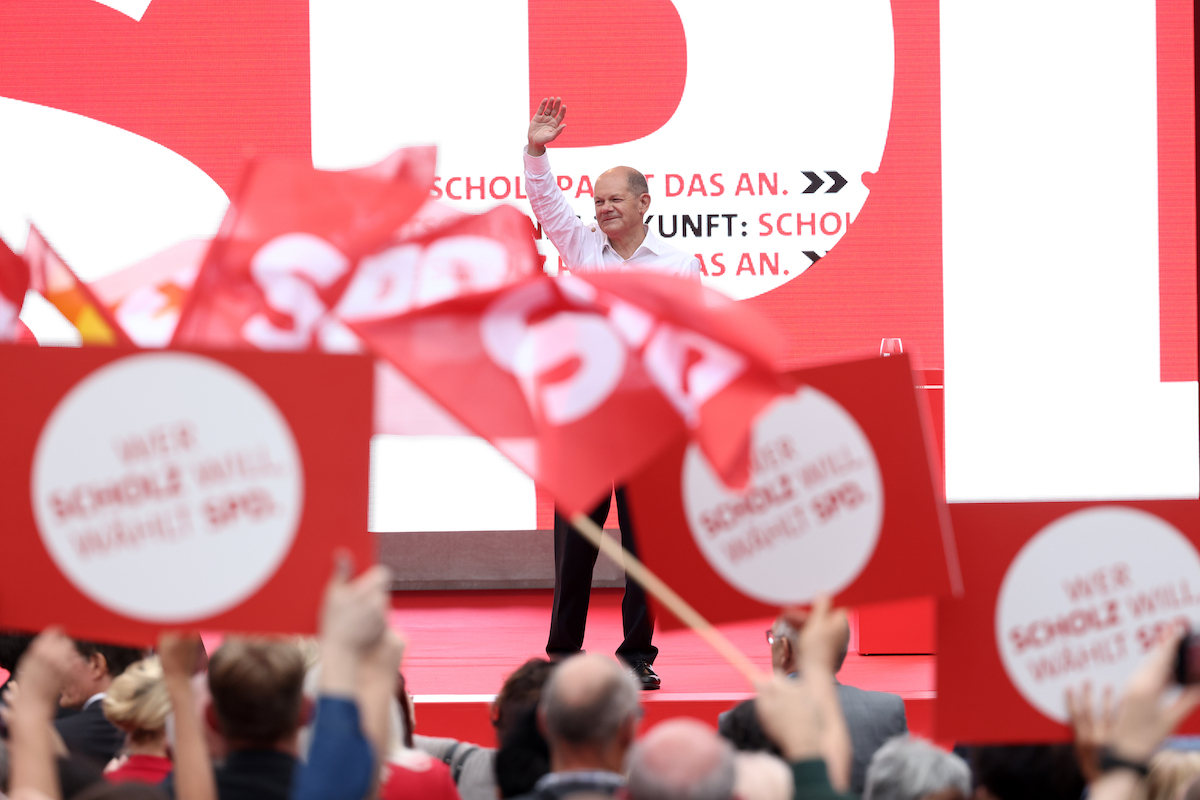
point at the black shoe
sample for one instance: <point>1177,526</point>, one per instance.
<point>645,675</point>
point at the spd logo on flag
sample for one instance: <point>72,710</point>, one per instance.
<point>579,380</point>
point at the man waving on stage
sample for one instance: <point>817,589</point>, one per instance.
<point>618,240</point>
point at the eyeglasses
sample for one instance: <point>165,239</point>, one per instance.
<point>771,636</point>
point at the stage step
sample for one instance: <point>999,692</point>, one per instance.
<point>470,560</point>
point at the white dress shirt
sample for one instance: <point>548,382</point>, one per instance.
<point>583,246</point>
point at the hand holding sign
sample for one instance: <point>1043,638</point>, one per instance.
<point>180,655</point>
<point>353,621</point>
<point>1147,714</point>
<point>1092,727</point>
<point>41,674</point>
<point>43,670</point>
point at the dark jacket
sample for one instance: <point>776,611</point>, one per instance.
<point>89,734</point>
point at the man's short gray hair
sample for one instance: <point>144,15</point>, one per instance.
<point>646,783</point>
<point>909,769</point>
<point>637,183</point>
<point>612,701</point>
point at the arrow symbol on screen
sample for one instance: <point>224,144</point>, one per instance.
<point>815,181</point>
<point>813,256</point>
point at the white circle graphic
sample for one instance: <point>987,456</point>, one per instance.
<point>809,519</point>
<point>1086,598</point>
<point>167,487</point>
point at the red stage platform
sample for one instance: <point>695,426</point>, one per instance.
<point>461,645</point>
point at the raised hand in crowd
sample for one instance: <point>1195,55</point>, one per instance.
<point>546,125</point>
<point>1145,716</point>
<point>180,655</point>
<point>379,674</point>
<point>355,646</point>
<point>41,675</point>
<point>803,717</point>
<point>1092,729</point>
<point>352,623</point>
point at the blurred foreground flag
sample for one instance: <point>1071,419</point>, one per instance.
<point>580,380</point>
<point>285,250</point>
<point>145,298</point>
<point>14,282</point>
<point>50,276</point>
<point>303,250</point>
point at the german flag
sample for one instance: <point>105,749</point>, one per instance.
<point>51,277</point>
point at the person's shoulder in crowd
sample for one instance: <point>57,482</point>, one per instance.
<point>264,774</point>
<point>471,766</point>
<point>871,718</point>
<point>246,774</point>
<point>882,711</point>
<point>571,785</point>
<point>90,735</point>
<point>141,769</point>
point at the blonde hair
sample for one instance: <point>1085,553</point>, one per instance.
<point>137,700</point>
<point>1170,773</point>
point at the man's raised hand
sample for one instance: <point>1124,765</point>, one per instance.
<point>546,124</point>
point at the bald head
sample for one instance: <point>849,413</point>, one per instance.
<point>762,776</point>
<point>681,759</point>
<point>587,700</point>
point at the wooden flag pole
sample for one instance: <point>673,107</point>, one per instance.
<point>666,595</point>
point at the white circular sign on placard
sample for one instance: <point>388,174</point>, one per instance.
<point>809,519</point>
<point>1087,597</point>
<point>167,487</point>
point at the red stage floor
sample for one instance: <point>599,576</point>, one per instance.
<point>461,645</point>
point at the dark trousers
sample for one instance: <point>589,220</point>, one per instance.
<point>574,560</point>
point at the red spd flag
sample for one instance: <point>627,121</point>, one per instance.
<point>293,265</point>
<point>283,254</point>
<point>580,380</point>
<point>14,282</point>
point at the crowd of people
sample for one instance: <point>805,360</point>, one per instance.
<point>289,718</point>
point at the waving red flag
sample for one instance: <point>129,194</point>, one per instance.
<point>303,250</point>
<point>580,380</point>
<point>283,254</point>
<point>14,282</point>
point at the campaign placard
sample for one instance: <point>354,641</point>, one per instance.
<point>1058,594</point>
<point>843,499</point>
<point>178,489</point>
